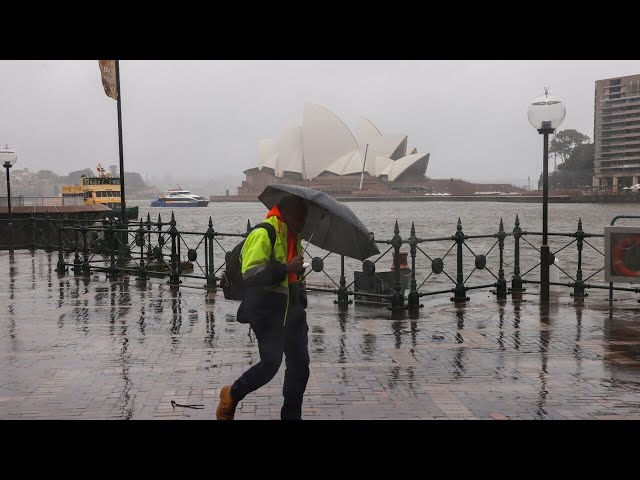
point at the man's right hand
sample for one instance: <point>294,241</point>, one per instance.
<point>295,264</point>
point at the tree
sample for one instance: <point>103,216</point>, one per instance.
<point>564,143</point>
<point>576,171</point>
<point>582,158</point>
<point>133,181</point>
<point>46,175</point>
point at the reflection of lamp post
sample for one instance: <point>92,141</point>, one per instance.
<point>545,113</point>
<point>8,158</point>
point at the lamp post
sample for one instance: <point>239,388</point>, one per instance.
<point>545,113</point>
<point>8,158</point>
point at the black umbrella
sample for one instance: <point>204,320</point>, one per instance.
<point>330,225</point>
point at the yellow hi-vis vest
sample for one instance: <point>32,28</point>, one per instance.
<point>256,254</point>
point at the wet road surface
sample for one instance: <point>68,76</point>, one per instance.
<point>92,348</point>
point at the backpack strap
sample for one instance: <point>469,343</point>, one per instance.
<point>272,234</point>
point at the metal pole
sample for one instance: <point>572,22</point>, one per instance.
<point>122,196</point>
<point>7,166</point>
<point>544,250</point>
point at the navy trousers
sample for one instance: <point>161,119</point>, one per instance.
<point>274,340</point>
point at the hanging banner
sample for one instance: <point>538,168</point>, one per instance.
<point>108,72</point>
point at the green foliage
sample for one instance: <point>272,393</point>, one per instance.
<point>564,143</point>
<point>133,181</point>
<point>582,158</point>
<point>576,171</point>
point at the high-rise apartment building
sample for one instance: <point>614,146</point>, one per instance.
<point>617,133</point>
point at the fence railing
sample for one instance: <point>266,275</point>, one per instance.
<point>22,201</point>
<point>454,264</point>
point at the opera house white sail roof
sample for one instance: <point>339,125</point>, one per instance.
<point>324,144</point>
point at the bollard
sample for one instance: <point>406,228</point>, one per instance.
<point>501,285</point>
<point>516,282</point>
<point>208,256</point>
<point>460,292</point>
<point>578,287</point>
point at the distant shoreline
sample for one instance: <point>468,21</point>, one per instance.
<point>419,198</point>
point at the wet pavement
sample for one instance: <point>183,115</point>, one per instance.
<point>91,348</point>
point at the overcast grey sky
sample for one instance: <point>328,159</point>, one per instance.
<point>203,118</point>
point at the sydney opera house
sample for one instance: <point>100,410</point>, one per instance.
<point>324,154</point>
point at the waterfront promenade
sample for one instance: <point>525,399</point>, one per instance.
<point>75,347</point>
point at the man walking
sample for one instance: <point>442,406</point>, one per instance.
<point>274,305</point>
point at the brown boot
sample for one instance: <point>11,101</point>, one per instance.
<point>227,406</point>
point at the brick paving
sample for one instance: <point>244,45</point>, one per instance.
<point>91,348</point>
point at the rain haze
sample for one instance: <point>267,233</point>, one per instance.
<point>203,119</point>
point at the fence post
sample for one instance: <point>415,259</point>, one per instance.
<point>112,271</point>
<point>343,296</point>
<point>174,278</point>
<point>414,296</point>
<point>160,239</point>
<point>86,268</point>
<point>140,240</point>
<point>77,263</point>
<point>397,300</point>
<point>516,282</point>
<point>501,285</point>
<point>208,255</point>
<point>460,292</point>
<point>578,287</point>
<point>49,247</point>
<point>32,247</point>
<point>149,249</point>
<point>61,268</point>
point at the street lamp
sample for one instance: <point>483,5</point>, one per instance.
<point>545,113</point>
<point>8,158</point>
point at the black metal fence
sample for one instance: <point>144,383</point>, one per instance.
<point>452,264</point>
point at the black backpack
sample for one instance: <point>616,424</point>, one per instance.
<point>231,281</point>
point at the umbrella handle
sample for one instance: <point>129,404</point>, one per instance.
<point>314,232</point>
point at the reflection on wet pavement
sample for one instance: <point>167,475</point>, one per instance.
<point>89,347</point>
